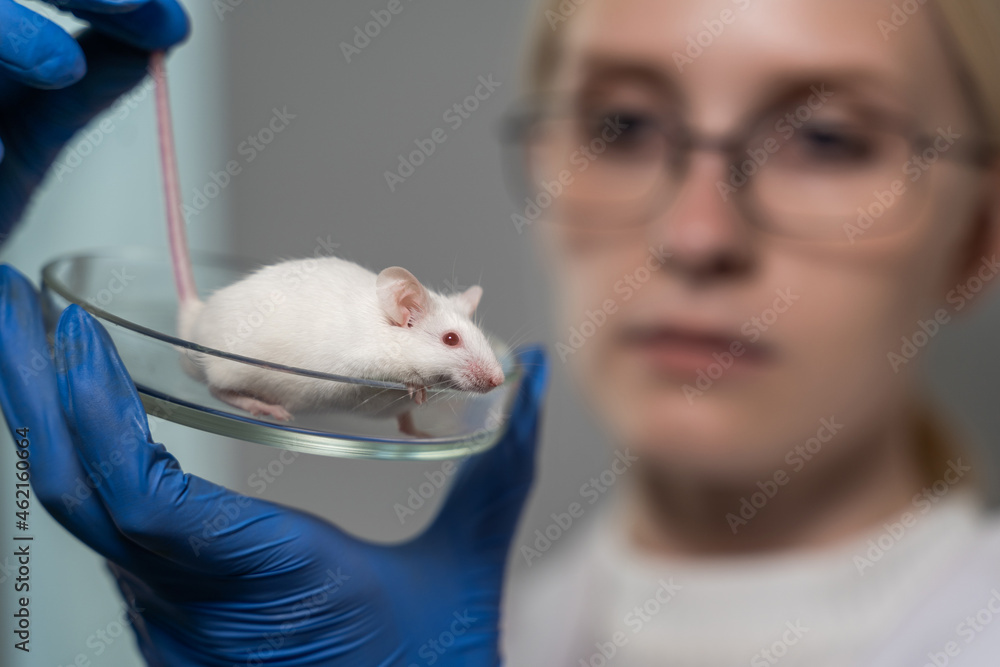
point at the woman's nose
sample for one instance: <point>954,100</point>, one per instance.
<point>702,228</point>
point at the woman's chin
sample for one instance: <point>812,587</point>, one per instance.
<point>712,437</point>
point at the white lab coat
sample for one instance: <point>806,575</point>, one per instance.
<point>900,596</point>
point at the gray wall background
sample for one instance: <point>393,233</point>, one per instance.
<point>322,177</point>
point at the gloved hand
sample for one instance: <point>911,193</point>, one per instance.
<point>225,579</point>
<point>52,85</point>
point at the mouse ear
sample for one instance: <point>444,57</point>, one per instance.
<point>401,296</point>
<point>468,300</point>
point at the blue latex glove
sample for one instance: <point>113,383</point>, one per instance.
<point>275,586</point>
<point>52,85</point>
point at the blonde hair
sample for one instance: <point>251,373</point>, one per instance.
<point>971,33</point>
<point>970,30</point>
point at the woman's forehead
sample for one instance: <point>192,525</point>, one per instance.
<point>721,55</point>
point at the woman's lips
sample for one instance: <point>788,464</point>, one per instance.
<point>688,353</point>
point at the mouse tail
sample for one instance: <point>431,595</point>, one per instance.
<point>176,227</point>
<point>189,305</point>
<point>187,316</point>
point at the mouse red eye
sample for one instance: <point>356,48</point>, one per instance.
<point>451,339</point>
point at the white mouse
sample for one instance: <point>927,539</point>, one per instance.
<point>327,315</point>
<point>334,316</point>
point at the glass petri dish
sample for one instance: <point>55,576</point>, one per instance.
<point>131,292</point>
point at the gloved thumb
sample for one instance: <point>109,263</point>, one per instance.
<point>491,487</point>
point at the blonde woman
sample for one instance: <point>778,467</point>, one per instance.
<point>757,214</point>
<point>804,192</point>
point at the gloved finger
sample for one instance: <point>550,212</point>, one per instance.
<point>37,52</point>
<point>47,119</point>
<point>156,25</point>
<point>29,398</point>
<point>491,487</point>
<point>104,6</point>
<point>181,517</point>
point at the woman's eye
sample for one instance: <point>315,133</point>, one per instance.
<point>621,133</point>
<point>834,145</point>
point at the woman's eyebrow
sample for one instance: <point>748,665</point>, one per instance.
<point>852,81</point>
<point>600,68</point>
<point>849,81</point>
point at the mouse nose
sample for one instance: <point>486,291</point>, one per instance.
<point>483,378</point>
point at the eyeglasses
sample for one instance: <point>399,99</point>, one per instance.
<point>802,169</point>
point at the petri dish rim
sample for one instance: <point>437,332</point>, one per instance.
<point>247,428</point>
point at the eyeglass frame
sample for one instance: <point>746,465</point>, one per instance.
<point>518,120</point>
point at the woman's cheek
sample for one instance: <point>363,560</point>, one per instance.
<point>584,333</point>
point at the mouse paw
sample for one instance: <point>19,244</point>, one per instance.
<point>252,405</point>
<point>407,426</point>
<point>418,393</point>
<point>269,410</point>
